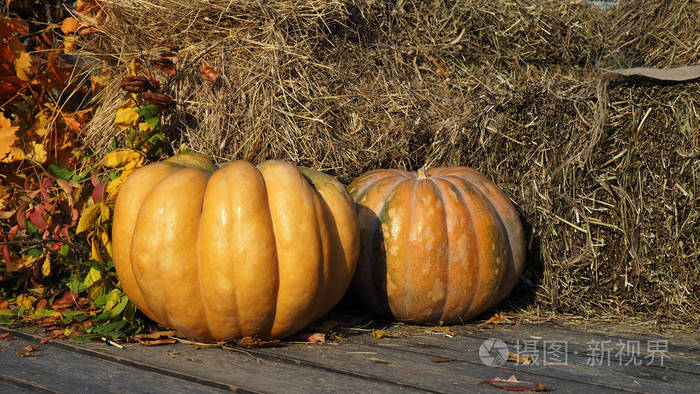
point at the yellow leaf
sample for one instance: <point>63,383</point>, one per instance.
<point>104,213</point>
<point>46,267</point>
<point>93,276</point>
<point>126,115</point>
<point>26,301</point>
<point>145,127</point>
<point>104,237</point>
<point>95,250</point>
<point>41,121</point>
<point>23,65</point>
<point>69,44</point>
<point>16,154</point>
<point>134,67</point>
<point>120,157</point>
<point>88,218</point>
<point>37,152</point>
<point>113,188</point>
<point>7,136</point>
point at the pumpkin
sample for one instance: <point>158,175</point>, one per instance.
<point>236,251</point>
<point>439,246</point>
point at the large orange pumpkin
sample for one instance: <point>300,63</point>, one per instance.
<point>438,246</point>
<point>234,252</point>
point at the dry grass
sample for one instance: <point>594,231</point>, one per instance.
<point>506,86</point>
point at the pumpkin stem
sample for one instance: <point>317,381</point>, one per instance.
<point>422,174</point>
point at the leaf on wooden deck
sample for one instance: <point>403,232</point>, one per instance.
<point>155,335</point>
<point>379,334</point>
<point>519,359</point>
<point>315,337</point>
<point>494,320</point>
<point>156,342</point>
<point>256,342</point>
<point>513,384</point>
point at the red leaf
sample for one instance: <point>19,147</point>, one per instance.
<point>5,253</point>
<point>22,217</point>
<point>37,219</point>
<point>98,193</point>
<point>316,337</point>
<point>164,64</point>
<point>45,340</point>
<point>210,75</point>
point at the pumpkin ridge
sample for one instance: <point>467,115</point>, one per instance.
<point>412,206</point>
<point>503,236</point>
<point>509,263</point>
<point>383,303</point>
<point>438,192</point>
<point>365,185</point>
<point>274,236</point>
<point>474,243</point>
<point>138,215</point>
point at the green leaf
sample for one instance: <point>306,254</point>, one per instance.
<point>111,329</point>
<point>60,172</point>
<point>92,277</point>
<point>65,249</point>
<point>74,315</point>
<point>149,111</point>
<point>31,228</point>
<point>79,177</point>
<point>75,284</point>
<point>154,123</point>
<point>119,308</point>
<point>42,313</point>
<point>34,252</point>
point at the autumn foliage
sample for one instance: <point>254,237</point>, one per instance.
<point>56,200</point>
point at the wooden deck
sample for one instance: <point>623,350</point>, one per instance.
<point>417,359</point>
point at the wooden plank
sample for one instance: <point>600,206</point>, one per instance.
<point>239,368</point>
<point>465,349</point>
<point>11,385</point>
<point>414,368</point>
<point>681,355</point>
<point>56,369</point>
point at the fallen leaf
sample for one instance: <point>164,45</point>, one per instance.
<point>25,354</point>
<point>444,360</point>
<point>6,336</point>
<point>519,359</point>
<point>379,334</point>
<point>440,330</point>
<point>316,337</point>
<point>210,75</point>
<point>156,335</point>
<point>495,320</point>
<point>513,384</point>
<point>30,348</point>
<point>255,342</point>
<point>156,342</point>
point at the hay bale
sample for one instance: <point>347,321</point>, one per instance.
<point>505,86</point>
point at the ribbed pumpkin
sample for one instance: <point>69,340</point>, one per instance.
<point>439,246</point>
<point>236,251</point>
